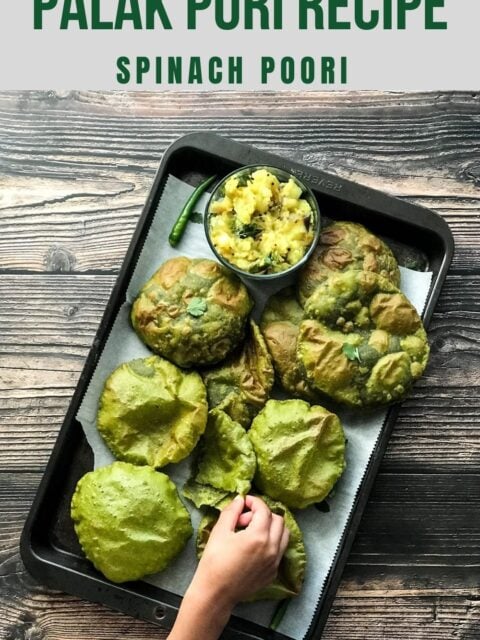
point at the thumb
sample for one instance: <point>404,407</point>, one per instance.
<point>229,516</point>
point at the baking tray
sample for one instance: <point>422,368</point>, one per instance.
<point>49,548</point>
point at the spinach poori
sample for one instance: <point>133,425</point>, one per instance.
<point>362,342</point>
<point>345,246</point>
<point>300,451</point>
<point>192,311</point>
<point>152,412</point>
<point>129,520</point>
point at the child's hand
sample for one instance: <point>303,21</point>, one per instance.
<point>235,564</point>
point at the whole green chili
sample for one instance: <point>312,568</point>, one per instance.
<point>182,220</point>
<point>279,614</point>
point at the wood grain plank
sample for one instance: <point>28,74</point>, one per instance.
<point>427,619</point>
<point>142,103</point>
<point>91,234</point>
<point>423,135</point>
<point>409,521</point>
<point>425,598</point>
<point>49,324</point>
<point>423,147</point>
<point>34,613</point>
<point>444,440</point>
<point>75,169</point>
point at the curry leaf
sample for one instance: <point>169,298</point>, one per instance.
<point>196,218</point>
<point>197,307</point>
<point>248,231</point>
<point>268,261</point>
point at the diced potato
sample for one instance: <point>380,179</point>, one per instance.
<point>291,190</point>
<point>231,186</point>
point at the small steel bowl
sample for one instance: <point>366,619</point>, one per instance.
<point>283,176</point>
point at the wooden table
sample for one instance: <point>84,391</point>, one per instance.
<point>75,171</point>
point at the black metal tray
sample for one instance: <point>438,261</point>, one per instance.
<point>420,238</point>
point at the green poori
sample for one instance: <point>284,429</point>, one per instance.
<point>240,386</point>
<point>346,246</point>
<point>280,323</point>
<point>300,451</point>
<point>362,342</point>
<point>291,571</point>
<point>204,495</point>
<point>129,520</point>
<point>192,311</point>
<point>152,412</point>
<point>226,458</point>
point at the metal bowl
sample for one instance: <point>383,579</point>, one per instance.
<point>283,176</point>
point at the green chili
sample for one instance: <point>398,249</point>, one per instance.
<point>279,614</point>
<point>181,223</point>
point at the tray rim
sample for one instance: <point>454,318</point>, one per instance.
<point>113,596</point>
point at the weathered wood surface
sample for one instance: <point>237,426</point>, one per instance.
<point>75,169</point>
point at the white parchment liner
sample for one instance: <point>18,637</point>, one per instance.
<point>322,531</point>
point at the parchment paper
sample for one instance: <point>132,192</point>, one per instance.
<point>322,531</point>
